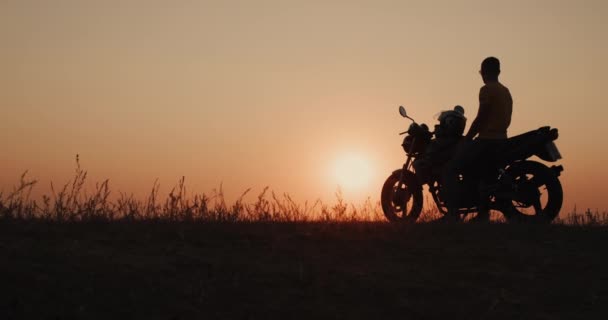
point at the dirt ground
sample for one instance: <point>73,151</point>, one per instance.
<point>162,270</point>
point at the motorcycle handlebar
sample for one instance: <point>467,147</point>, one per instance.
<point>417,127</point>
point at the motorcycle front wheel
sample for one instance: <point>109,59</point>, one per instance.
<point>401,199</point>
<point>537,196</point>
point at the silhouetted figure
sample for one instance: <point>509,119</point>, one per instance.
<point>476,156</point>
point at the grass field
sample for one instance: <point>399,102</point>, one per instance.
<point>82,255</point>
<point>360,270</point>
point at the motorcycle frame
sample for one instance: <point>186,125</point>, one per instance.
<point>407,167</point>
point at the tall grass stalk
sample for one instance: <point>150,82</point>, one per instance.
<point>72,202</point>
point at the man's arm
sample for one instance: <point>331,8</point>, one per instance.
<point>482,115</point>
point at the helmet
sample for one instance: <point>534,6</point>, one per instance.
<point>451,123</point>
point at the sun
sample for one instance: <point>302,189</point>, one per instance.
<point>352,172</point>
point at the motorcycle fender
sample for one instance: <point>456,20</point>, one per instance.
<point>557,170</point>
<point>407,174</point>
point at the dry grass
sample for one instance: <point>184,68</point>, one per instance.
<point>155,262</point>
<point>72,202</point>
<point>586,218</point>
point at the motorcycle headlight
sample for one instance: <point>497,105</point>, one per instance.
<point>413,129</point>
<point>407,143</point>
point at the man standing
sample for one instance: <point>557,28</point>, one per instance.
<point>476,157</point>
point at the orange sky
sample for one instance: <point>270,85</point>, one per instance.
<point>257,93</point>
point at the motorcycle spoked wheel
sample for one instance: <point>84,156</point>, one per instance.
<point>401,201</point>
<point>538,194</point>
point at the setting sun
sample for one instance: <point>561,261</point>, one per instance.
<point>238,94</point>
<point>352,172</point>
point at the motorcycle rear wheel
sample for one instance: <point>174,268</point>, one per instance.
<point>538,194</point>
<point>401,201</point>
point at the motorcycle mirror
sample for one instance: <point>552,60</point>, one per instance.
<point>402,112</point>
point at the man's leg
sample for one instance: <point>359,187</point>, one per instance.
<point>463,158</point>
<point>449,186</point>
<point>487,177</point>
<point>483,208</point>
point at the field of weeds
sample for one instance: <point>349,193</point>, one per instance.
<point>80,255</point>
<point>72,202</point>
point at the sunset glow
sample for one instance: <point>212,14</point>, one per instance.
<point>352,172</point>
<point>251,94</point>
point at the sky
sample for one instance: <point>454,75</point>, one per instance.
<point>294,95</point>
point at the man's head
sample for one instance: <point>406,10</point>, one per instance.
<point>490,69</point>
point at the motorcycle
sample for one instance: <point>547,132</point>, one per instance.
<point>523,190</point>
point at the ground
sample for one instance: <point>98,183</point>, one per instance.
<point>162,270</point>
